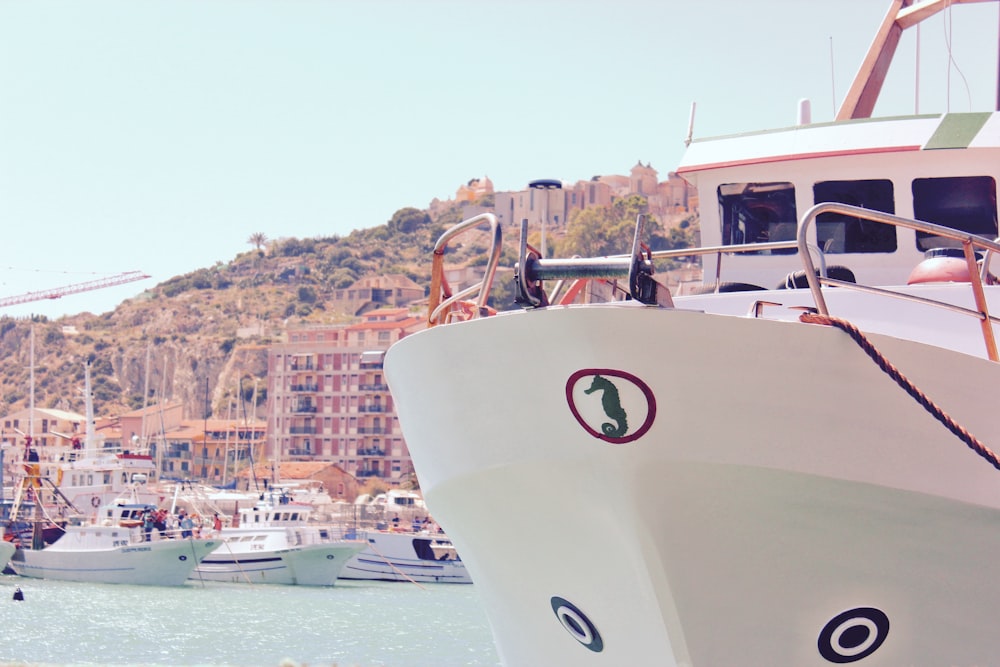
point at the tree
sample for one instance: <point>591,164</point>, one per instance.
<point>408,220</point>
<point>605,230</point>
<point>257,239</point>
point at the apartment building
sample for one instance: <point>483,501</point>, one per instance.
<point>329,400</point>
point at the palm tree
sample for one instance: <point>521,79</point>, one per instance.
<point>257,239</point>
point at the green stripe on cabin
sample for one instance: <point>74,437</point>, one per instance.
<point>957,130</point>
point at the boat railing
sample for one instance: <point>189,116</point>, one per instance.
<point>978,274</point>
<point>533,270</point>
<point>442,301</point>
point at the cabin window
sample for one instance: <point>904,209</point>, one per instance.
<point>836,233</point>
<point>758,213</point>
<point>967,203</point>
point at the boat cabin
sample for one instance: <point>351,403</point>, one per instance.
<point>755,188</point>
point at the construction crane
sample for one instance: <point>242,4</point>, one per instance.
<point>57,292</point>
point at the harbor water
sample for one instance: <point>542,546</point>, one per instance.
<point>352,624</point>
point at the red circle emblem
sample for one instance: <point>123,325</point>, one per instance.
<point>612,405</point>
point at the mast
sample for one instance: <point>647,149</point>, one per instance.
<point>143,438</point>
<point>31,390</point>
<point>90,444</point>
<point>902,14</point>
<point>163,429</point>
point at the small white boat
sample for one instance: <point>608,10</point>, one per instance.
<point>111,553</point>
<point>423,557</point>
<point>276,544</point>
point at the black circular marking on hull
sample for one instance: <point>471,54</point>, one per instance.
<point>577,624</point>
<point>853,635</point>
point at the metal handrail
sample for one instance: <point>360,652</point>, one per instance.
<point>622,266</point>
<point>968,241</point>
<point>435,306</point>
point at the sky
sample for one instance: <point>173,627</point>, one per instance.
<point>159,135</point>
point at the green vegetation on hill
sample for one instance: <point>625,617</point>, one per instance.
<point>201,338</point>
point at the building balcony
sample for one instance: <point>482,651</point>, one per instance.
<point>374,430</point>
<point>302,430</point>
<point>304,408</point>
<point>367,473</point>
<point>373,387</point>
<point>304,387</point>
<point>371,452</point>
<point>300,452</point>
<point>371,408</point>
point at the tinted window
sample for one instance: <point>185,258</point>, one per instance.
<point>967,203</point>
<point>758,213</point>
<point>836,233</point>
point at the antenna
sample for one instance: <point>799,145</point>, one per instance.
<point>687,140</point>
<point>833,81</point>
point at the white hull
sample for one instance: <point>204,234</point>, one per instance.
<point>404,557</point>
<point>783,480</point>
<point>6,552</point>
<point>306,565</point>
<point>156,563</point>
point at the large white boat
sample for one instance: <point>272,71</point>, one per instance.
<point>275,543</point>
<point>86,474</point>
<point>749,476</point>
<point>114,550</point>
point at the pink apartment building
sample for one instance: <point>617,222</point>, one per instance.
<point>329,400</point>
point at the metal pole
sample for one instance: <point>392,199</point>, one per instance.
<point>545,185</point>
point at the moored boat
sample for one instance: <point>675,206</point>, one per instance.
<point>275,543</point>
<point>114,550</point>
<point>793,464</point>
<point>422,557</point>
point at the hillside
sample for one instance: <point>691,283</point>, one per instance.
<point>210,328</point>
<point>202,338</point>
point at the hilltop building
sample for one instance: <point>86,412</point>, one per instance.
<point>555,200</point>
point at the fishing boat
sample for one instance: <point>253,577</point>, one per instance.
<point>789,466</point>
<point>422,557</point>
<point>275,543</point>
<point>403,543</point>
<point>114,549</point>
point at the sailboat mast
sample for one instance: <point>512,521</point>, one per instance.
<point>31,389</point>
<point>88,395</point>
<point>144,444</point>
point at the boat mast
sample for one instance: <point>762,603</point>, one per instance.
<point>144,444</point>
<point>902,14</point>
<point>90,446</point>
<point>31,390</point>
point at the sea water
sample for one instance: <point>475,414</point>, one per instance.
<point>352,624</point>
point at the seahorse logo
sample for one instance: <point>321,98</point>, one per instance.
<point>612,404</point>
<point>609,404</point>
